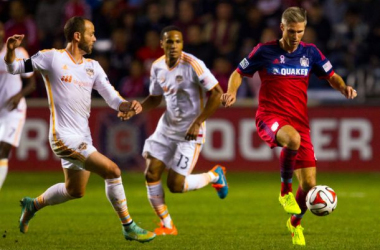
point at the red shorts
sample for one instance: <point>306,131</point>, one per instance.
<point>267,126</point>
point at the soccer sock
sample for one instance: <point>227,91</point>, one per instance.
<point>116,195</point>
<point>197,181</point>
<point>54,195</point>
<point>287,163</point>
<point>156,198</point>
<point>3,170</point>
<point>301,200</point>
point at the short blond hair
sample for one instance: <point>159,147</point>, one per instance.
<point>294,15</point>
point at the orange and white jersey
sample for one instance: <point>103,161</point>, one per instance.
<point>10,85</point>
<point>69,85</point>
<point>184,87</point>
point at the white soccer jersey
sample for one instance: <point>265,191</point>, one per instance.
<point>10,84</point>
<point>184,87</point>
<point>69,85</point>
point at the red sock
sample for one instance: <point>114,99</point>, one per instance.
<point>301,200</point>
<point>287,164</point>
<point>286,188</point>
<point>295,221</point>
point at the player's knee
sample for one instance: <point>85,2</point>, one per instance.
<point>294,141</point>
<point>308,183</point>
<point>113,171</point>
<point>4,151</point>
<point>175,188</point>
<point>151,176</point>
<point>175,185</point>
<point>75,193</point>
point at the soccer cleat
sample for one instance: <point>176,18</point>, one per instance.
<point>221,184</point>
<point>134,232</point>
<point>162,230</point>
<point>27,213</point>
<point>297,234</point>
<point>289,203</point>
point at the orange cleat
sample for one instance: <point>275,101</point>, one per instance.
<point>162,230</point>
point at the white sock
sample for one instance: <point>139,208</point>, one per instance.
<point>54,195</point>
<point>197,181</point>
<point>156,198</point>
<point>116,195</point>
<point>3,170</point>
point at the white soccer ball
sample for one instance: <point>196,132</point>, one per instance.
<point>321,200</point>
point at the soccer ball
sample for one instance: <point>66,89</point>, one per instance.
<point>321,200</point>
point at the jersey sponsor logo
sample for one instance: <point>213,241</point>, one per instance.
<point>90,72</point>
<point>327,66</point>
<point>64,67</point>
<point>289,71</point>
<point>244,63</point>
<point>304,61</point>
<point>67,78</point>
<point>179,79</point>
<point>168,90</point>
<point>276,61</point>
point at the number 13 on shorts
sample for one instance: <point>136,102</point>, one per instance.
<point>186,157</point>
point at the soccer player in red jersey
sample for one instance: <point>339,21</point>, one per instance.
<point>284,67</point>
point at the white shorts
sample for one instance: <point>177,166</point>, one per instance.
<point>73,151</point>
<point>11,125</point>
<point>180,156</point>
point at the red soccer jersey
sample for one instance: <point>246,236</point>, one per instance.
<point>285,77</point>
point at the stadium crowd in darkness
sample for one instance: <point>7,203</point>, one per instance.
<point>218,32</point>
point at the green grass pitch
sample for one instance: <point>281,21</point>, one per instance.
<point>249,218</point>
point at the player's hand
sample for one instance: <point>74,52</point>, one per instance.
<point>228,99</point>
<point>349,92</point>
<point>136,107</point>
<point>192,132</point>
<point>126,115</point>
<point>130,106</point>
<point>14,41</point>
<point>13,102</point>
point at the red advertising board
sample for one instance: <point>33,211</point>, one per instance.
<point>344,139</point>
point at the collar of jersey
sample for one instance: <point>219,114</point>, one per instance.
<point>176,64</point>
<point>72,58</point>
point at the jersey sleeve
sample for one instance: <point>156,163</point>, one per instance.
<point>21,53</point>
<point>42,60</point>
<point>154,86</point>
<point>321,67</point>
<point>206,78</point>
<point>252,63</point>
<point>105,89</point>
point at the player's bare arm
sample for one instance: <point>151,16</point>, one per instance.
<point>12,43</point>
<point>337,83</point>
<point>30,86</point>
<point>149,103</point>
<point>234,82</point>
<point>212,104</point>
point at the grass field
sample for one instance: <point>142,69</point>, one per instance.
<point>249,218</point>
